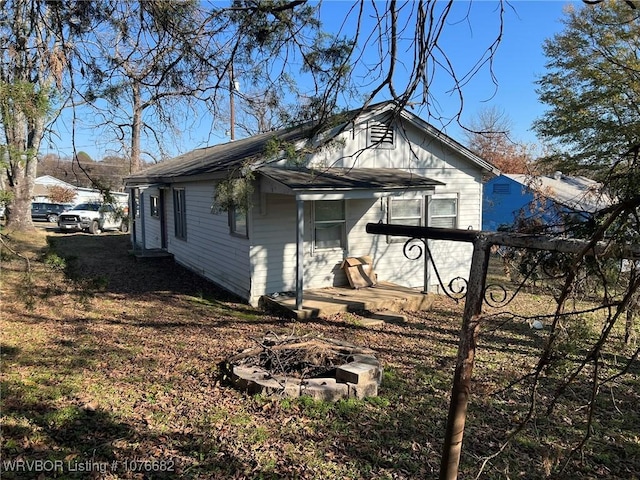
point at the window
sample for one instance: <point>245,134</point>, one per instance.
<point>180,213</point>
<point>443,212</point>
<point>238,222</point>
<point>329,224</point>
<point>404,212</point>
<point>154,202</point>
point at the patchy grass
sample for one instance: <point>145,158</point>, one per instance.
<point>114,369</point>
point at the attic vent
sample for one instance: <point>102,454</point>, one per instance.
<point>381,135</point>
<point>501,188</point>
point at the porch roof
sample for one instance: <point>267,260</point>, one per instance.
<point>369,181</point>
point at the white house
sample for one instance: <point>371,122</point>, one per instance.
<point>303,220</point>
<point>83,194</point>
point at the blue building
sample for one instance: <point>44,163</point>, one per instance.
<point>544,199</point>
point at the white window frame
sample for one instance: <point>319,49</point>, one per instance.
<point>444,197</point>
<point>392,218</point>
<point>154,206</point>
<point>233,224</point>
<point>343,221</point>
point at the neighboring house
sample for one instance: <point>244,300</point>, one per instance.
<point>303,220</point>
<point>546,199</point>
<point>83,195</point>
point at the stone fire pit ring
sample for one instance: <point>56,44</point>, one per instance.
<point>321,368</point>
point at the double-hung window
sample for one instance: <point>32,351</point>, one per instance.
<point>180,213</point>
<point>329,224</point>
<point>405,212</point>
<point>443,212</point>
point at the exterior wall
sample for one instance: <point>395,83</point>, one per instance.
<point>273,254</point>
<point>502,208</point>
<point>428,157</point>
<point>208,249</point>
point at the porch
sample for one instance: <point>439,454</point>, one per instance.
<point>324,302</point>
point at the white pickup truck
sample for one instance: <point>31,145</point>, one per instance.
<point>93,218</point>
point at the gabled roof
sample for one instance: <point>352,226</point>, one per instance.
<point>49,180</point>
<point>577,193</point>
<point>228,157</point>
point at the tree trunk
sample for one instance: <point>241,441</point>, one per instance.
<point>136,126</point>
<point>23,141</point>
<point>22,182</point>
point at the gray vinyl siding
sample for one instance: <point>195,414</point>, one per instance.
<point>273,254</point>
<point>209,249</point>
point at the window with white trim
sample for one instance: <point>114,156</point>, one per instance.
<point>154,206</point>
<point>329,224</point>
<point>404,211</point>
<point>443,212</point>
<point>180,213</point>
<point>238,224</point>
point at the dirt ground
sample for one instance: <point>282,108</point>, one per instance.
<point>110,370</point>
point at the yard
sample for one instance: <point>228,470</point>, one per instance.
<point>110,370</point>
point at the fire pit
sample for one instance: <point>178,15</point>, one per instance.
<point>322,368</point>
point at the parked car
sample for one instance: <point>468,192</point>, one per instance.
<point>93,218</point>
<point>47,211</point>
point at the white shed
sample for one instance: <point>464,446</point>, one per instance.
<point>308,212</point>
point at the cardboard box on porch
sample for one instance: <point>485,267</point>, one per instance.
<point>359,271</point>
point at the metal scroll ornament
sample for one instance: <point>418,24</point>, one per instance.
<point>495,295</point>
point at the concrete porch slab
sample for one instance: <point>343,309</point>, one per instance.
<point>329,301</point>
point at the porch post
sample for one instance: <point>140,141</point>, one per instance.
<point>299,252</point>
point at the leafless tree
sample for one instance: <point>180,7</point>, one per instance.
<point>489,136</point>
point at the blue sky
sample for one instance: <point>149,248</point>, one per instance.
<point>518,63</point>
